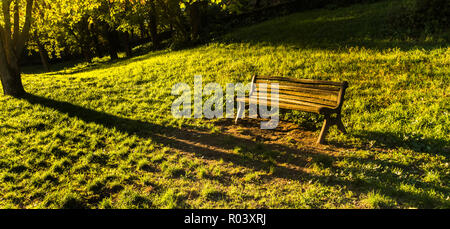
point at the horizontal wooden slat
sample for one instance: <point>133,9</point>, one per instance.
<point>317,101</point>
<point>319,91</point>
<point>305,92</point>
<point>313,109</point>
<point>295,102</point>
<point>332,97</point>
<point>300,86</point>
<point>302,81</point>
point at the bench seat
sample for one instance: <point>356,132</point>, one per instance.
<point>314,96</point>
<point>300,106</point>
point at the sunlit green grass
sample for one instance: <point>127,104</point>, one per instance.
<point>101,135</point>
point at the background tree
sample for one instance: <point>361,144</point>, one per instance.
<point>41,36</point>
<point>13,36</point>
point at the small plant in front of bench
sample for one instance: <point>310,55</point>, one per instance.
<point>314,96</point>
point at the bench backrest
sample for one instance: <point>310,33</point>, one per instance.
<point>303,91</point>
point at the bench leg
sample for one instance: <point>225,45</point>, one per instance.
<point>329,122</point>
<point>340,125</point>
<point>240,113</point>
<point>326,126</point>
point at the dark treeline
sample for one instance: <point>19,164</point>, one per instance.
<point>163,23</point>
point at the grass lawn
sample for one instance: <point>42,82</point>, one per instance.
<point>101,135</point>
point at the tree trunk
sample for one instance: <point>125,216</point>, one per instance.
<point>195,16</point>
<point>10,74</point>
<point>44,55</point>
<point>144,32</point>
<point>154,34</point>
<point>11,80</point>
<point>127,44</point>
<point>113,44</point>
<point>95,31</point>
<point>98,47</point>
<point>153,24</point>
<point>11,48</point>
<point>84,31</point>
<point>87,55</point>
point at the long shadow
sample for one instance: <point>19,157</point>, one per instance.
<point>388,183</point>
<point>198,142</point>
<point>415,143</point>
<point>55,67</point>
<point>67,68</point>
<point>203,144</point>
<point>88,115</point>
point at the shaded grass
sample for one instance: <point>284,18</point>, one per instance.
<point>354,26</point>
<point>100,136</point>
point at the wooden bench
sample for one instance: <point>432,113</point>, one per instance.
<point>314,96</point>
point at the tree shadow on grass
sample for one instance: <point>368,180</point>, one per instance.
<point>80,66</point>
<point>415,143</point>
<point>285,161</point>
<point>199,142</point>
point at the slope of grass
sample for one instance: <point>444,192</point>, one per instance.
<point>102,136</point>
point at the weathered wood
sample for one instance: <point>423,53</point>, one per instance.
<point>300,107</point>
<point>315,101</point>
<point>323,133</point>
<point>303,81</point>
<point>332,97</point>
<point>240,112</point>
<point>241,103</point>
<point>314,96</point>
<point>341,97</point>
<point>340,125</point>
<point>253,86</point>
<point>300,88</point>
<point>292,102</point>
<point>296,86</point>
